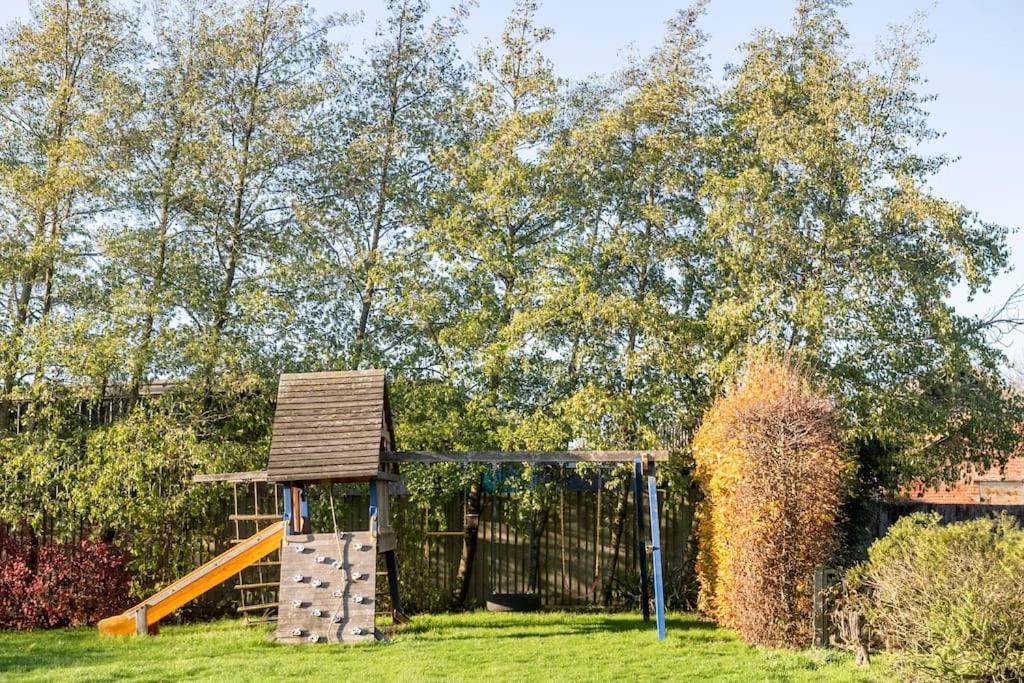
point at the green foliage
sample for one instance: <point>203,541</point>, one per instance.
<point>826,240</point>
<point>947,598</point>
<point>130,481</point>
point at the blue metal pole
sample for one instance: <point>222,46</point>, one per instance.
<point>659,587</point>
<point>287,495</point>
<point>373,507</point>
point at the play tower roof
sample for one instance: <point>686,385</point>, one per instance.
<point>330,426</point>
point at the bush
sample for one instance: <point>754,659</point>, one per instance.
<point>130,481</point>
<point>948,599</point>
<point>770,464</point>
<point>61,585</point>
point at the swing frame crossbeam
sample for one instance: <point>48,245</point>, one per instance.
<point>644,463</point>
<point>649,554</point>
<point>528,457</point>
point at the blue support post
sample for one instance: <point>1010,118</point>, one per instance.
<point>659,588</point>
<point>286,491</point>
<point>296,508</point>
<point>373,508</point>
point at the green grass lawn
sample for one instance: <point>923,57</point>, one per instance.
<point>475,646</point>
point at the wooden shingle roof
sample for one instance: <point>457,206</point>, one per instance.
<point>329,426</point>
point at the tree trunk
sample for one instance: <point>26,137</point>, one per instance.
<point>470,533</point>
<point>152,296</point>
<point>12,357</point>
<point>370,286</point>
<point>621,508</point>
<point>538,526</point>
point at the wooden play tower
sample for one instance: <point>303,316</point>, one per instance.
<point>336,427</point>
<point>332,427</point>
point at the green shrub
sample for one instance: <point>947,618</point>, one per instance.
<point>948,599</point>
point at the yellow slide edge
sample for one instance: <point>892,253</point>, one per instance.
<point>197,582</point>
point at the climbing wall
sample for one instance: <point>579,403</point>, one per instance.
<point>327,588</point>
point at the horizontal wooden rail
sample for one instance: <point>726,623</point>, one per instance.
<point>256,608</point>
<point>231,477</point>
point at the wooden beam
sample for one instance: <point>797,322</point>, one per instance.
<point>532,457</point>
<point>231,477</point>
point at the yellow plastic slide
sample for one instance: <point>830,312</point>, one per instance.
<point>148,612</point>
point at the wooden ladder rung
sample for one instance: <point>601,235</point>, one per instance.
<point>254,518</point>
<point>266,563</point>
<point>253,608</point>
<point>266,584</point>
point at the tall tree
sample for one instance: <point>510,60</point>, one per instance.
<point>371,172</point>
<point>263,95</point>
<point>63,80</point>
<point>824,239</point>
<point>169,137</point>
<point>622,306</point>
<point>494,219</point>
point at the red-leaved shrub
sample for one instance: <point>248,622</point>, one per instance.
<point>63,585</point>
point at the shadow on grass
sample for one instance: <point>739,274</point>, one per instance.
<point>548,625</point>
<point>42,652</point>
<point>51,651</point>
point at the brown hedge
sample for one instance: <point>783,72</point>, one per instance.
<point>771,464</point>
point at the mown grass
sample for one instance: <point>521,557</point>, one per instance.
<point>464,647</point>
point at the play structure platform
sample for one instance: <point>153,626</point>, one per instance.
<point>143,617</point>
<point>336,427</point>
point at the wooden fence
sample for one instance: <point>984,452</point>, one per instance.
<point>890,511</point>
<point>575,550</point>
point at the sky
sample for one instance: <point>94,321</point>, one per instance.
<point>975,66</point>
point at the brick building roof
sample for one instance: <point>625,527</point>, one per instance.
<point>996,486</point>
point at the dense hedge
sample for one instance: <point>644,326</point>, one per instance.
<point>948,600</point>
<point>771,466</point>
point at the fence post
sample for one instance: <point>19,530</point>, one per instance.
<point>824,577</point>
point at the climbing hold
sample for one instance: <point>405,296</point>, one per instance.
<point>359,599</point>
<point>315,612</point>
<point>297,603</point>
<point>320,559</point>
<point>337,564</point>
<point>300,548</point>
<point>314,638</point>
<point>298,578</point>
<point>355,576</point>
<point>337,594</point>
<point>358,631</point>
<point>316,583</point>
<point>296,631</point>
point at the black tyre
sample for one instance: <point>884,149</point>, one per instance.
<point>513,602</point>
